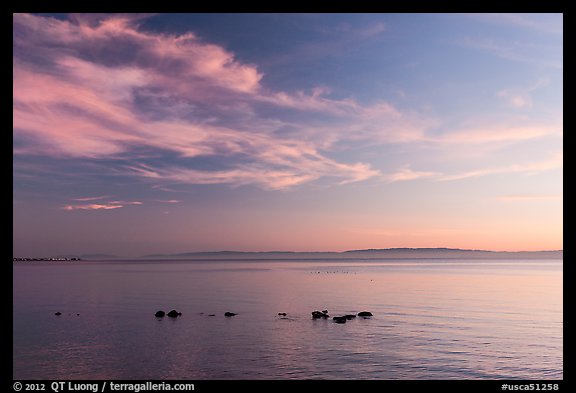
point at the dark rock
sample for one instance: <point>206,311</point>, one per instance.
<point>364,314</point>
<point>211,315</point>
<point>320,314</point>
<point>339,319</point>
<point>58,313</point>
<point>174,314</point>
<point>229,314</point>
<point>282,313</point>
<point>349,316</point>
<point>159,314</point>
<point>325,312</point>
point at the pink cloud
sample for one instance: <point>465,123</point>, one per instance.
<point>99,206</point>
<point>108,88</point>
<point>69,116</point>
<point>276,175</point>
<point>190,56</point>
<point>125,203</point>
<point>315,102</point>
<point>499,133</point>
<point>406,173</point>
<point>554,161</point>
<point>81,108</point>
<point>91,206</point>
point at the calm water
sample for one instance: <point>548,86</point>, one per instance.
<point>433,319</point>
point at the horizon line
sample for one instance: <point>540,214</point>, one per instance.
<point>175,254</point>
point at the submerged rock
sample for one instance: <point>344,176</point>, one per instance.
<point>340,319</point>
<point>364,314</point>
<point>349,316</point>
<point>58,313</point>
<point>159,314</point>
<point>229,314</point>
<point>174,314</point>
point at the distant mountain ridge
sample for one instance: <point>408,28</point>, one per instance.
<point>376,253</point>
<point>367,254</point>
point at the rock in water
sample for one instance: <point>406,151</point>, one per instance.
<point>159,314</point>
<point>364,314</point>
<point>319,314</point>
<point>229,314</point>
<point>58,313</point>
<point>174,314</point>
<point>349,316</point>
<point>339,319</point>
<point>282,314</point>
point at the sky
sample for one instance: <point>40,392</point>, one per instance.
<point>137,134</point>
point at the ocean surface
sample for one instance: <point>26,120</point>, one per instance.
<point>432,319</point>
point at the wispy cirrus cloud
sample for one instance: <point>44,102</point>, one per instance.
<point>516,99</point>
<point>522,52</point>
<point>274,177</point>
<point>499,133</point>
<point>406,173</point>
<point>111,205</point>
<point>92,206</point>
<point>554,161</point>
<point>99,87</point>
<point>104,85</point>
<point>521,98</point>
<point>534,51</point>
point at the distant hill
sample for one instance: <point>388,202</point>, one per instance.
<point>386,253</point>
<point>367,254</point>
<point>454,253</point>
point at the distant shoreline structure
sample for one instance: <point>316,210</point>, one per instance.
<point>44,259</point>
<point>367,254</point>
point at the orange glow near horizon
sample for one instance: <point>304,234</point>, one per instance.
<point>151,134</point>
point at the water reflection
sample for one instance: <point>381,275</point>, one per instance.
<point>432,320</point>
